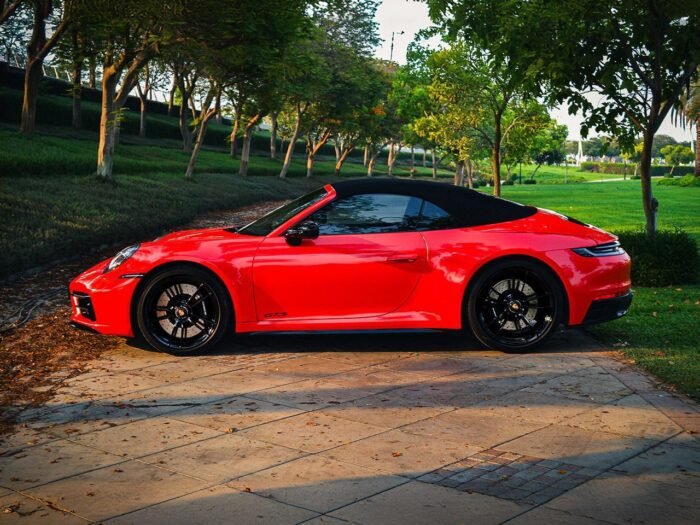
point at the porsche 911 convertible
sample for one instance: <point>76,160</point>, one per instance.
<point>368,254</point>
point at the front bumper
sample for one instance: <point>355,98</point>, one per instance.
<point>608,309</point>
<point>102,301</point>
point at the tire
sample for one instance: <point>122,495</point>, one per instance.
<point>183,310</point>
<point>515,305</point>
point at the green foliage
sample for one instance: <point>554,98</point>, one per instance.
<point>667,258</point>
<point>676,155</point>
<point>687,181</point>
<point>530,181</point>
<point>618,168</point>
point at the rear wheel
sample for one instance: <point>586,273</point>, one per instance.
<point>183,310</point>
<point>515,305</point>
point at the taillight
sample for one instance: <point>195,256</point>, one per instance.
<point>601,250</point>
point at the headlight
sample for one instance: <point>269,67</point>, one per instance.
<point>601,250</point>
<point>122,256</point>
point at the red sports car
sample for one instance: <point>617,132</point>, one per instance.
<point>364,255</point>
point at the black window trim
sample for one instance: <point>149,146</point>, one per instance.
<point>420,214</point>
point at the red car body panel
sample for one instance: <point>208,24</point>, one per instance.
<point>366,281</point>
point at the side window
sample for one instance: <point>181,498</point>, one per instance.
<point>368,213</point>
<point>432,217</point>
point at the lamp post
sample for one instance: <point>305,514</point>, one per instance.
<point>391,49</point>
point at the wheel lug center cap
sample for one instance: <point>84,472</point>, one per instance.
<point>180,312</point>
<point>515,306</point>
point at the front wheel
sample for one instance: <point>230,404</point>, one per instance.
<point>183,310</point>
<point>515,305</point>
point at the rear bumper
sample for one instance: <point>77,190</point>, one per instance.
<point>608,309</point>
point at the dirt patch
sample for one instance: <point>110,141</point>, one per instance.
<point>38,347</point>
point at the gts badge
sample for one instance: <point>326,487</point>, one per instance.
<point>275,315</point>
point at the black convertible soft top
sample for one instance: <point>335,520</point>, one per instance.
<point>469,207</point>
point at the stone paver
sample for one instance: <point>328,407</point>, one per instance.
<point>216,506</point>
<point>223,458</point>
<point>418,503</point>
<point>317,483</point>
<point>357,429</point>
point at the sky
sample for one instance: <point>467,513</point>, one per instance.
<point>410,16</point>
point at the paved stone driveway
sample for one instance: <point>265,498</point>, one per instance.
<point>369,429</point>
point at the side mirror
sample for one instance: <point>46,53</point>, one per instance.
<point>305,230</point>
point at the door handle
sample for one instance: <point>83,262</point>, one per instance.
<point>402,258</point>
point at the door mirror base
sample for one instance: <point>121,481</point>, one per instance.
<point>305,230</point>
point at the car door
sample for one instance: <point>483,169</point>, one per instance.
<point>366,262</point>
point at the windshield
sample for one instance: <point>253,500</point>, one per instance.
<point>265,224</point>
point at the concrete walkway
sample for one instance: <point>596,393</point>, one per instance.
<point>368,429</point>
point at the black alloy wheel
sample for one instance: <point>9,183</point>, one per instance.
<point>183,310</point>
<point>515,305</point>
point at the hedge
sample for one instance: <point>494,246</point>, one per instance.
<point>685,181</point>
<point>667,258</point>
<point>617,168</point>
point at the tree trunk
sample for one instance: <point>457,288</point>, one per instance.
<point>343,157</point>
<point>697,147</point>
<point>459,174</point>
<point>648,201</point>
<point>413,162</point>
<point>365,160</point>
<point>32,78</point>
<point>292,143</point>
<point>425,161</point>
<point>390,161</point>
<point>77,94</point>
<point>33,71</point>
<point>171,96</point>
<point>234,134</point>
<point>432,152</point>
<point>370,164</point>
<point>313,149</point>
<point>310,165</point>
<point>217,109</point>
<point>92,76</point>
<point>273,136</point>
<point>185,130</point>
<point>496,157</point>
<point>189,173</point>
<point>247,139</point>
<point>470,174</point>
<point>108,125</point>
<point>142,121</point>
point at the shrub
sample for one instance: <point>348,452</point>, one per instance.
<point>529,181</point>
<point>670,257</point>
<point>508,182</point>
<point>685,181</point>
<point>618,168</point>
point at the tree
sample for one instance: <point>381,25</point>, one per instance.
<point>39,46</point>
<point>153,76</point>
<point>489,99</point>
<point>688,113</point>
<point>131,33</point>
<point>677,155</point>
<point>548,146</point>
<point>14,35</point>
<point>638,55</point>
<point>230,48</point>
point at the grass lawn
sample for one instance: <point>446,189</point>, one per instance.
<point>614,206</point>
<point>558,174</point>
<point>660,333</point>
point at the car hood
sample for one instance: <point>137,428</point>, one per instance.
<point>204,234</point>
